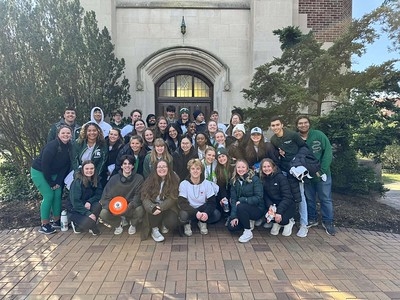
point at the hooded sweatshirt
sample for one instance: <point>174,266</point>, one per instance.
<point>103,125</point>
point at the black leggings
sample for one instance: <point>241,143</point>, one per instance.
<point>186,216</point>
<point>245,212</point>
<point>84,222</point>
<point>168,218</point>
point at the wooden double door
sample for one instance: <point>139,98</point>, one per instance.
<point>184,89</point>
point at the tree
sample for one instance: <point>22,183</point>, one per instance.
<point>308,75</point>
<point>52,55</point>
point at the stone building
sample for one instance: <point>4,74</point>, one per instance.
<point>202,53</point>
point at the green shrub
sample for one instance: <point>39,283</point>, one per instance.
<point>15,184</point>
<point>350,178</point>
<point>391,158</point>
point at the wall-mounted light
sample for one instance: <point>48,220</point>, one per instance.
<point>183,26</point>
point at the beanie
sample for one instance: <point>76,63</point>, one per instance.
<point>239,127</point>
<point>196,113</point>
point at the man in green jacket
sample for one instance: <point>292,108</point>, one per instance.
<point>321,185</point>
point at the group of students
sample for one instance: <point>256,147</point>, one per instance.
<point>170,177</point>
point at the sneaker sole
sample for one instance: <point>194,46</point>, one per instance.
<point>301,236</point>
<point>158,240</point>
<point>327,232</point>
<point>312,225</point>
<point>47,233</point>
<point>246,240</point>
<point>73,228</point>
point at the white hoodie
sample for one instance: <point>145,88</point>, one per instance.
<point>103,125</point>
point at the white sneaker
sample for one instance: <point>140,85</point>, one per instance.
<point>132,229</point>
<point>303,230</point>
<point>275,229</point>
<point>118,230</point>
<point>287,229</point>
<point>156,235</point>
<point>246,236</point>
<point>164,229</point>
<point>252,222</point>
<point>202,227</point>
<point>259,222</point>
<point>188,229</point>
<point>124,222</point>
<point>267,225</point>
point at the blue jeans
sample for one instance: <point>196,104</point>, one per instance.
<point>303,207</point>
<point>324,191</point>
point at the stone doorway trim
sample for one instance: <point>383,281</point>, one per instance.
<point>172,59</point>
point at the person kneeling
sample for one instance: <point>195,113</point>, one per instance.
<point>159,197</point>
<point>197,199</point>
<point>246,200</point>
<point>84,194</point>
<point>277,193</point>
<point>126,183</point>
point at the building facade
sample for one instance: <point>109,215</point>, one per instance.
<point>202,53</point>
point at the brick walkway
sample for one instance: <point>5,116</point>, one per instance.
<point>352,265</point>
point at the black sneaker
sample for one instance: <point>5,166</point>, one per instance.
<point>75,228</point>
<point>47,229</point>
<point>56,224</point>
<point>329,228</point>
<point>94,231</point>
<point>312,223</point>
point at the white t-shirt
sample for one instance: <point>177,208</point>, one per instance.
<point>197,194</point>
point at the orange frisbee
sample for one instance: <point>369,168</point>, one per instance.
<point>118,205</point>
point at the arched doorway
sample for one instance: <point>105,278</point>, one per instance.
<point>184,88</point>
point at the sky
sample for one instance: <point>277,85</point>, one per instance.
<point>377,52</point>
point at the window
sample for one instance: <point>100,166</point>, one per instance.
<point>184,85</point>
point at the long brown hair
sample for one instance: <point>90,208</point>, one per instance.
<point>165,155</point>
<point>151,186</point>
<point>85,180</point>
<point>223,172</point>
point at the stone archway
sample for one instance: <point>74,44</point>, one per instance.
<point>176,59</point>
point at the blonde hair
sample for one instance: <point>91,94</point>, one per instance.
<point>235,175</point>
<point>195,162</point>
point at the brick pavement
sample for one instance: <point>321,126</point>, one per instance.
<point>354,264</point>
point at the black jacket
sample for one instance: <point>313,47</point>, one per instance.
<point>180,161</point>
<point>277,191</point>
<point>54,159</point>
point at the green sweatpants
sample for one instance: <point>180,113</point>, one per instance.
<point>51,198</point>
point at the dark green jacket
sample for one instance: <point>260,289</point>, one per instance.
<point>290,142</point>
<point>79,195</point>
<point>250,191</point>
<point>320,146</point>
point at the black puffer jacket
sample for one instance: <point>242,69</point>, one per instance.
<point>277,191</point>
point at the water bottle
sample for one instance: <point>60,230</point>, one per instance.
<point>226,205</point>
<point>64,221</point>
<point>271,213</point>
